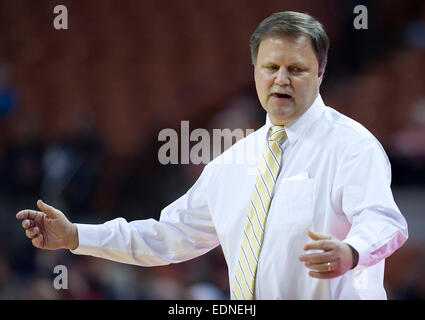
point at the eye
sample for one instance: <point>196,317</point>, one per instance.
<point>296,69</point>
<point>271,68</point>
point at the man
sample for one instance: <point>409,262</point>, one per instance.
<point>315,169</point>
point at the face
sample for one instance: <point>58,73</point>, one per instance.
<point>287,77</point>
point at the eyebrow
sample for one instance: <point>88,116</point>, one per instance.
<point>268,64</point>
<point>299,65</point>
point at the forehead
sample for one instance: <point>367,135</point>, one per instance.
<point>284,49</point>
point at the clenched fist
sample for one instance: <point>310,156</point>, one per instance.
<point>48,228</point>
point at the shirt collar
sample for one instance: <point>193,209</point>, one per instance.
<point>295,130</point>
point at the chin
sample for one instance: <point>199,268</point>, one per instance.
<point>279,120</point>
<point>280,115</point>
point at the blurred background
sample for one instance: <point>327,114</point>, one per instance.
<point>81,110</point>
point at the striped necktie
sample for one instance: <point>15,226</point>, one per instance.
<point>252,238</point>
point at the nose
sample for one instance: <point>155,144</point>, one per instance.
<point>282,78</point>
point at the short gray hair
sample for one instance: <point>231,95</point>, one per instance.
<point>292,24</point>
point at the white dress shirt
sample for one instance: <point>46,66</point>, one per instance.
<point>335,179</point>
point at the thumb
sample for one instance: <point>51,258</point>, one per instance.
<point>48,210</point>
<point>318,235</point>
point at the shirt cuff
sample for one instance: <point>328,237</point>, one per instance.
<point>88,237</point>
<point>361,247</point>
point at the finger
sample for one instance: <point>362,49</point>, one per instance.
<point>320,245</point>
<point>323,275</point>
<point>26,224</point>
<point>317,257</point>
<point>32,233</point>
<point>38,241</point>
<point>318,235</point>
<point>48,210</point>
<point>322,267</point>
<point>27,214</point>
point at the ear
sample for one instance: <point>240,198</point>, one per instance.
<point>255,69</point>
<point>320,76</point>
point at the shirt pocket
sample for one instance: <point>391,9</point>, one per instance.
<point>293,204</point>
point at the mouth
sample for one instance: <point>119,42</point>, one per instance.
<point>283,96</point>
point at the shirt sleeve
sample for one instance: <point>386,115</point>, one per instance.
<point>184,231</point>
<point>363,186</point>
